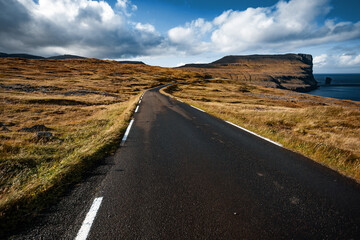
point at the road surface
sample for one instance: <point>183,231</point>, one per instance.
<point>183,174</point>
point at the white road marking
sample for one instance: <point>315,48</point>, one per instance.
<point>197,108</point>
<point>179,100</point>
<point>126,133</point>
<point>139,101</point>
<point>89,219</point>
<point>244,129</point>
<point>137,108</point>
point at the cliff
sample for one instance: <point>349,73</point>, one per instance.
<point>288,71</point>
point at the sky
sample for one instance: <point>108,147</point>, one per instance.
<point>174,32</point>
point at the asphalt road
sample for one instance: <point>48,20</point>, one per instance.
<point>183,174</point>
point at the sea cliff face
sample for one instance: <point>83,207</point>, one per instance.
<point>288,71</point>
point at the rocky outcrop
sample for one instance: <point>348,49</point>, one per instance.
<point>288,71</point>
<point>35,128</point>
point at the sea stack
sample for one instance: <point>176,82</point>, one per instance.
<point>328,80</point>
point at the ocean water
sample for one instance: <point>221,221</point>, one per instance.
<point>343,86</point>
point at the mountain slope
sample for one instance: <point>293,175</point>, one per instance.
<point>20,55</point>
<point>66,56</point>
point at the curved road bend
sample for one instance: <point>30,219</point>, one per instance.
<point>183,174</point>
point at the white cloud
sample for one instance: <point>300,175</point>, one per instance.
<point>180,64</point>
<point>189,38</point>
<point>191,33</point>
<point>283,27</point>
<point>145,27</point>
<point>321,60</point>
<point>222,18</point>
<point>181,35</point>
<point>337,63</point>
<point>348,60</point>
<point>126,7</point>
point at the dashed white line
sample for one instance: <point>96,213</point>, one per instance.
<point>197,108</point>
<point>244,129</point>
<point>89,219</point>
<point>139,101</point>
<point>137,108</point>
<point>126,133</point>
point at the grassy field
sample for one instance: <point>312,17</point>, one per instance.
<point>324,129</point>
<point>85,104</point>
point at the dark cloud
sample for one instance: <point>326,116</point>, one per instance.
<point>12,17</point>
<point>59,26</point>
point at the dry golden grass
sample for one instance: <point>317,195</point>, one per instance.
<point>86,103</point>
<point>324,129</point>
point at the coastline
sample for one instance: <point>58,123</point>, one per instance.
<point>342,86</point>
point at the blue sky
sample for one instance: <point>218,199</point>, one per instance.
<point>165,14</point>
<point>174,32</point>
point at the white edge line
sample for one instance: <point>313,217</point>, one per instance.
<point>126,133</point>
<point>179,100</point>
<point>89,219</point>
<point>244,129</point>
<point>137,108</point>
<point>197,108</point>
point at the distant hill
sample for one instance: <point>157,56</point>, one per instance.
<point>29,56</point>
<point>59,57</point>
<point>287,71</point>
<point>132,62</point>
<point>21,55</point>
<point>66,56</point>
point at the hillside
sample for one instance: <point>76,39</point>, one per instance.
<point>289,71</point>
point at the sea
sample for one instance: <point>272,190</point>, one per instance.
<point>343,86</point>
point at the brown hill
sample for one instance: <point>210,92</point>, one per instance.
<point>288,71</point>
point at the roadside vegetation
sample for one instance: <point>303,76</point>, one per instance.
<point>58,118</point>
<point>324,129</point>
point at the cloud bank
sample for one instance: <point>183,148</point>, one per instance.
<point>337,63</point>
<point>84,27</point>
<point>95,29</point>
<point>282,27</point>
